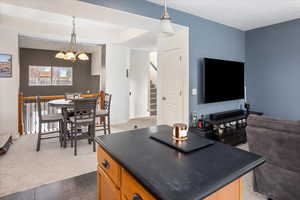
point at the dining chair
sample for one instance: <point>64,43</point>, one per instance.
<point>46,119</point>
<point>84,116</point>
<point>67,113</point>
<point>104,114</point>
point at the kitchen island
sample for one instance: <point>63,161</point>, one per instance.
<point>132,166</point>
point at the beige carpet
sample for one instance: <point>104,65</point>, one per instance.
<point>23,168</point>
<point>249,194</point>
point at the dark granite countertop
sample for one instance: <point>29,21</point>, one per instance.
<point>170,175</point>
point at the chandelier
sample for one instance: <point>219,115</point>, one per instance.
<point>166,24</point>
<point>72,54</point>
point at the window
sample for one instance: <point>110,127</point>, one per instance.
<point>50,76</point>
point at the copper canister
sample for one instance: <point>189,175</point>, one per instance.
<point>180,131</point>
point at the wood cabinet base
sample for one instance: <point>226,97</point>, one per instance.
<point>115,183</point>
<point>232,191</point>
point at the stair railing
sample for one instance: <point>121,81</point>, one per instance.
<point>28,112</point>
<point>153,66</point>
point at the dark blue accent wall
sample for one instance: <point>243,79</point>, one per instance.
<point>273,69</point>
<point>207,39</point>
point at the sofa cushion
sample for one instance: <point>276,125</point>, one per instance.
<point>277,183</point>
<point>278,141</point>
<point>288,126</point>
<point>277,147</point>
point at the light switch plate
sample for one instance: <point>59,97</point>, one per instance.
<point>194,91</point>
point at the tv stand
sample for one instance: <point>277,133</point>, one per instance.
<point>229,127</point>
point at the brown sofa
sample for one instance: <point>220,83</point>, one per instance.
<point>279,142</point>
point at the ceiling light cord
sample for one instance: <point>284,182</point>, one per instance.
<point>73,36</point>
<point>166,14</point>
<point>167,28</point>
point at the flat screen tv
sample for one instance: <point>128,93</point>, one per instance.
<point>222,80</point>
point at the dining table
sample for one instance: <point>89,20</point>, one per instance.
<point>65,105</point>
<point>61,103</point>
<point>67,111</point>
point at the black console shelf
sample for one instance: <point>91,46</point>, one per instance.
<point>227,127</point>
<point>226,120</point>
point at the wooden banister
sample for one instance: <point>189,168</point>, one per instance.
<point>33,98</point>
<point>102,99</point>
<point>20,114</point>
<point>102,104</point>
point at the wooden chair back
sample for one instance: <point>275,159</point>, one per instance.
<point>85,111</point>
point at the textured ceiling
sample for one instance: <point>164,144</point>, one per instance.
<point>241,14</point>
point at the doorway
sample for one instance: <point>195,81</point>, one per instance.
<point>171,87</point>
<point>173,79</point>
<point>143,84</point>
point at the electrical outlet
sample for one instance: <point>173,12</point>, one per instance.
<point>194,91</point>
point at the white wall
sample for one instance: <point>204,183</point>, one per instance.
<point>96,61</point>
<point>139,83</point>
<point>153,72</point>
<point>9,87</point>
<point>117,84</point>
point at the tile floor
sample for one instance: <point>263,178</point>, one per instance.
<point>82,187</point>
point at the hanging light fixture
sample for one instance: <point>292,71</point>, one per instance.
<point>166,23</point>
<point>69,55</point>
<point>82,56</point>
<point>60,55</point>
<point>72,54</point>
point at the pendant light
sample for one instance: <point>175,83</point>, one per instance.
<point>60,55</point>
<point>166,24</point>
<point>82,56</point>
<point>71,54</point>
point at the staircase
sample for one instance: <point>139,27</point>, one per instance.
<point>153,99</point>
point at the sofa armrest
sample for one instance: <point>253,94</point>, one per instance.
<point>284,125</point>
